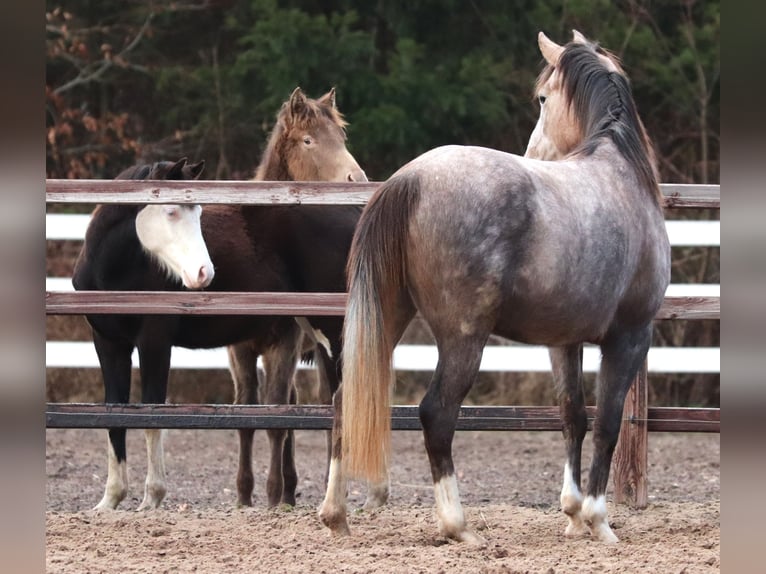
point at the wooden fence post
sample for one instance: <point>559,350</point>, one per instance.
<point>630,461</point>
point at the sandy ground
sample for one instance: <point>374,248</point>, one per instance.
<point>509,486</point>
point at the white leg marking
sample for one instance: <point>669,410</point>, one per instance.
<point>450,512</point>
<point>332,511</point>
<point>116,480</point>
<point>155,486</point>
<point>594,515</point>
<point>571,504</point>
<point>377,494</point>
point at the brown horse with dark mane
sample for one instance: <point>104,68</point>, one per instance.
<point>253,248</point>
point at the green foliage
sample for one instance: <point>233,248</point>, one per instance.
<point>205,79</point>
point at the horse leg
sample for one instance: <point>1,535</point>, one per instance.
<point>279,363</point>
<point>115,360</point>
<point>243,366</point>
<point>332,512</point>
<point>622,356</point>
<point>567,375</point>
<point>155,365</point>
<point>289,472</point>
<point>459,360</point>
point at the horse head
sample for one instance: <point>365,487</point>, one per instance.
<point>309,143</point>
<point>559,129</point>
<point>172,234</point>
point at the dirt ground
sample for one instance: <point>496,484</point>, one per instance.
<point>509,485</point>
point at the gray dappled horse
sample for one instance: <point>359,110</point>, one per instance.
<point>483,242</point>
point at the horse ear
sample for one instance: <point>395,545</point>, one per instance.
<point>329,98</point>
<point>197,168</point>
<point>578,38</point>
<point>177,169</point>
<point>551,50</point>
<point>297,103</point>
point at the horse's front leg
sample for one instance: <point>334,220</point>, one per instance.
<point>155,365</point>
<point>623,353</point>
<point>567,376</point>
<point>243,366</point>
<point>115,361</point>
<point>455,373</point>
<point>332,512</point>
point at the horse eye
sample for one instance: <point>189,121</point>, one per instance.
<point>171,211</point>
<point>307,140</point>
<point>542,99</point>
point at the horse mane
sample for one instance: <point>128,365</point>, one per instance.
<point>108,213</point>
<point>273,166</point>
<point>140,171</point>
<point>604,100</point>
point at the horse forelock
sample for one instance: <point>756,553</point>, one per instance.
<point>312,114</point>
<point>600,96</point>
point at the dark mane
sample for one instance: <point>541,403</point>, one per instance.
<point>140,171</point>
<point>604,100</point>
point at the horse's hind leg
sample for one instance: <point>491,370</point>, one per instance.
<point>279,363</point>
<point>622,356</point>
<point>459,360</point>
<point>243,366</point>
<point>155,365</point>
<point>115,362</point>
<point>567,375</point>
<point>289,472</point>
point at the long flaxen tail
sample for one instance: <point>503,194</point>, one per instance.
<point>376,284</point>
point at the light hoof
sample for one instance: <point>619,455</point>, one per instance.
<point>471,538</point>
<point>105,506</point>
<point>153,497</point>
<point>595,516</point>
<point>377,495</point>
<point>576,528</point>
<point>335,521</point>
<point>462,534</point>
<point>604,533</point>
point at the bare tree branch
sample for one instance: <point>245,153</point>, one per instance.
<point>93,72</point>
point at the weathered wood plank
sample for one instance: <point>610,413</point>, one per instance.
<point>269,303</point>
<point>206,192</point>
<point>193,303</point>
<point>630,463</point>
<point>281,193</point>
<point>691,195</point>
<point>317,417</point>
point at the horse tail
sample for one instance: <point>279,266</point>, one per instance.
<point>376,273</point>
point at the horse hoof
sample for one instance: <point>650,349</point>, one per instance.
<point>576,528</point>
<point>471,538</point>
<point>604,533</point>
<point>334,521</point>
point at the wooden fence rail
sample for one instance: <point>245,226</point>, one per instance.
<point>630,458</point>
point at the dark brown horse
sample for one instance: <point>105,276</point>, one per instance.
<point>306,144</point>
<point>254,248</point>
<point>542,252</point>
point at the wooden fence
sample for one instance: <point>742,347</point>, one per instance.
<point>630,463</point>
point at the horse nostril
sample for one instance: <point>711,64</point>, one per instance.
<point>357,175</point>
<point>205,276</point>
